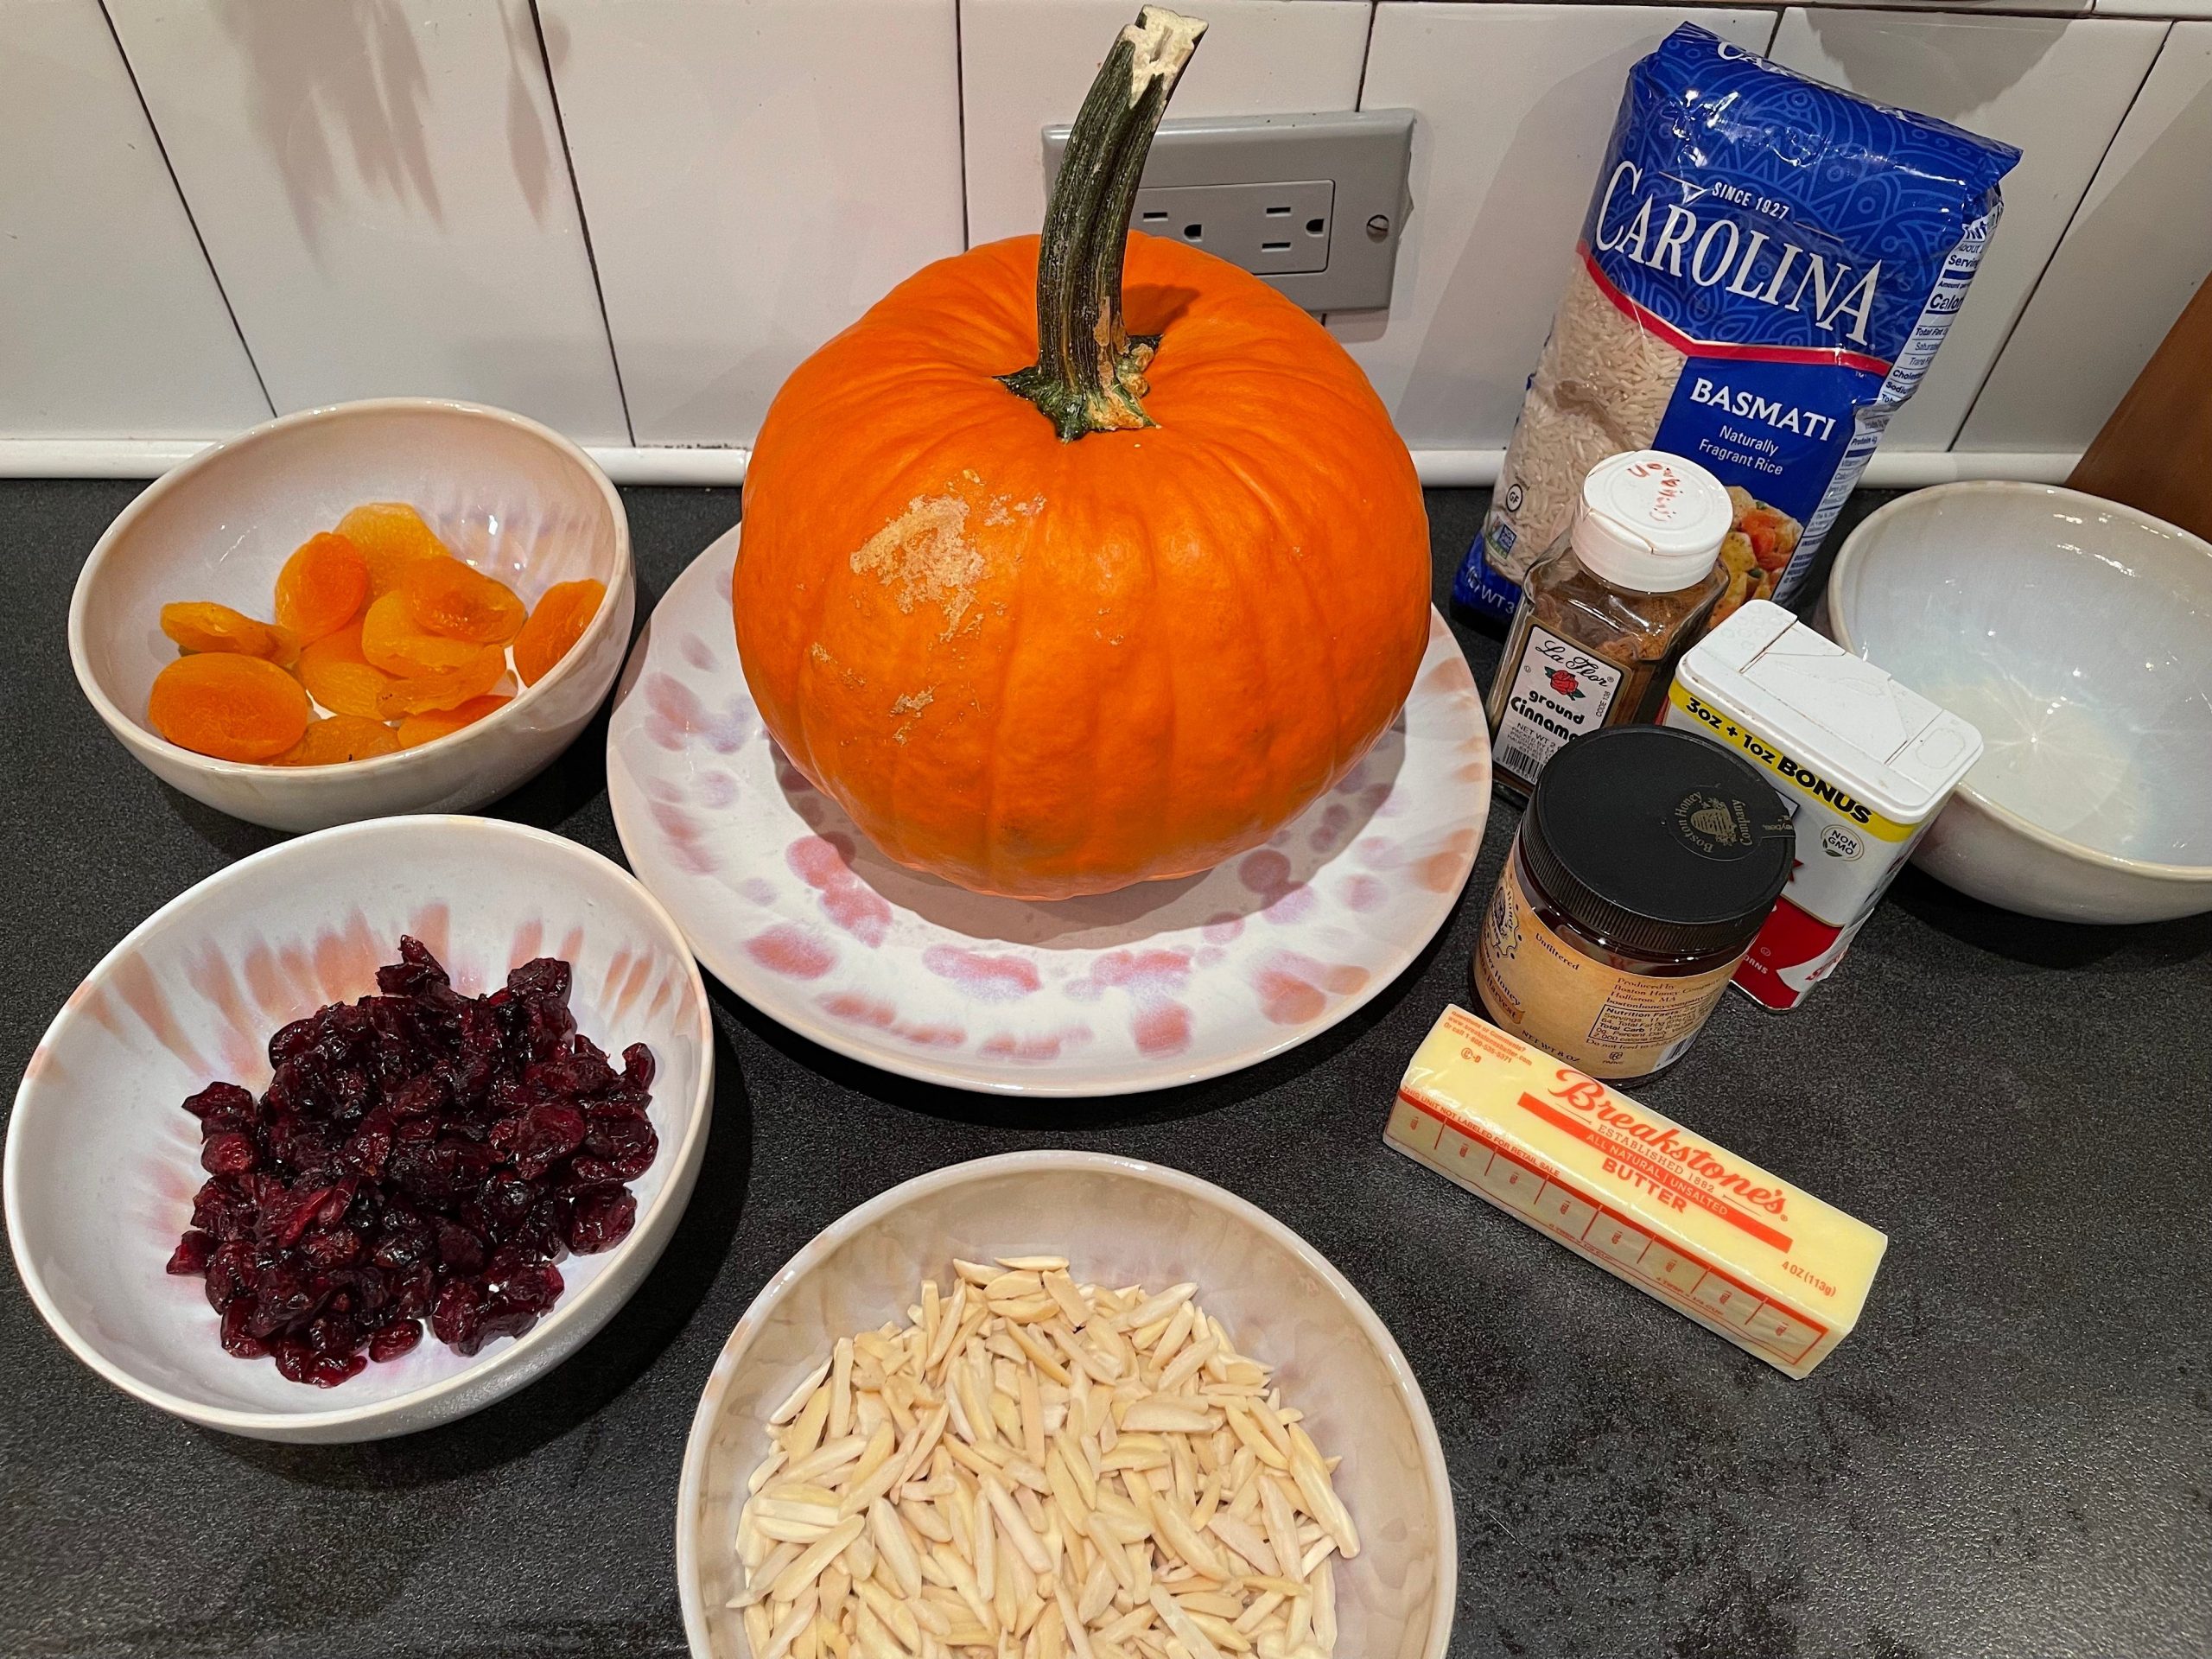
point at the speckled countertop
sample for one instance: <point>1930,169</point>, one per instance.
<point>2012,1457</point>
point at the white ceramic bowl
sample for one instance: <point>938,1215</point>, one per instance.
<point>1119,1222</point>
<point>2076,634</point>
<point>102,1163</point>
<point>513,498</point>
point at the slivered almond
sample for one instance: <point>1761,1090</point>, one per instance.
<point>787,1630</point>
<point>1029,1468</point>
<point>1073,1308</point>
<point>799,1395</point>
<point>1255,1548</point>
<point>817,1556</point>
<point>1157,1415</point>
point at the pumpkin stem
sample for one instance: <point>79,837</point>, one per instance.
<point>1088,375</point>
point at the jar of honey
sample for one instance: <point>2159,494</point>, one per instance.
<point>1646,864</point>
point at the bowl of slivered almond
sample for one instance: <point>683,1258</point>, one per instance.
<point>1068,1405</point>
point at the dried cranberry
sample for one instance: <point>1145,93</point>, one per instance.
<point>395,1339</point>
<point>227,1098</point>
<point>548,1134</point>
<point>601,1219</point>
<point>543,978</point>
<point>455,1320</point>
<point>230,1275</point>
<point>417,1154</point>
<point>416,972</point>
<point>236,1341</point>
<point>230,1152</point>
<point>617,1138</point>
<point>330,1246</point>
<point>459,1250</point>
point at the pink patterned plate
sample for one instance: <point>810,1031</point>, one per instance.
<point>1167,982</point>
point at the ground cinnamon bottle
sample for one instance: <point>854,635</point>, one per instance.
<point>1606,614</point>
<point>1647,863</point>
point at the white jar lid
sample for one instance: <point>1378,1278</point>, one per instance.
<point>1649,521</point>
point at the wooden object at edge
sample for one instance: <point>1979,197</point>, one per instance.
<point>2155,451</point>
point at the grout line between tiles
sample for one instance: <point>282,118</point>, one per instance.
<point>184,201</point>
<point>960,114</point>
<point>583,221</point>
<point>2034,288</point>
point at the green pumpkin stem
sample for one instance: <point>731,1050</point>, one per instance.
<point>1088,375</point>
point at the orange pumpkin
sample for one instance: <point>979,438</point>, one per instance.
<point>1114,617</point>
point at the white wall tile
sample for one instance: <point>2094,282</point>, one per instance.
<point>1026,63</point>
<point>1516,103</point>
<point>2135,252</point>
<point>382,190</point>
<point>2168,9</point>
<point>756,173</point>
<point>2055,87</point>
<point>111,323</point>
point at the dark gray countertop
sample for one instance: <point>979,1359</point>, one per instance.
<point>2012,1456</point>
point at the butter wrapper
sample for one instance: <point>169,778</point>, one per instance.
<point>1745,1254</point>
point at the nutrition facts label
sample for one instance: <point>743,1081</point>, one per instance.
<point>1586,1225</point>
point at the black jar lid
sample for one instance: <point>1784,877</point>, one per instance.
<point>1658,841</point>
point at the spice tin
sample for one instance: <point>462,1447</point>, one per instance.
<point>1864,764</point>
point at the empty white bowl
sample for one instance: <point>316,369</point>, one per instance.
<point>1119,1222</point>
<point>102,1162</point>
<point>2076,633</point>
<point>511,497</point>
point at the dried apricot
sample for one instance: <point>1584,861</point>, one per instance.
<point>339,677</point>
<point>555,626</point>
<point>322,586</point>
<point>202,625</point>
<point>341,737</point>
<point>390,536</point>
<point>424,693</point>
<point>447,597</point>
<point>417,729</point>
<point>228,705</point>
<point>391,641</point>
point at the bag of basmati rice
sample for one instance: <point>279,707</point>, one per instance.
<point>1768,265</point>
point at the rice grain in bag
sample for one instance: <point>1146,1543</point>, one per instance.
<point>1767,267</point>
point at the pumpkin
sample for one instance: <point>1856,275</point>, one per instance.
<point>1113,616</point>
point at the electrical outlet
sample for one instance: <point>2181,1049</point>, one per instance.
<point>1314,204</point>
<point>1272,230</point>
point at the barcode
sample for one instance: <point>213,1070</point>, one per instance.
<point>1523,758</point>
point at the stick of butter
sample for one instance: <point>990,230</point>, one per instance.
<point>1744,1253</point>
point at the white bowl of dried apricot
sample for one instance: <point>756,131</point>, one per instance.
<point>1064,1403</point>
<point>406,604</point>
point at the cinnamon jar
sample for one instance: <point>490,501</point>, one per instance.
<point>1603,616</point>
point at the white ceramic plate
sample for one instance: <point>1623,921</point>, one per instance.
<point>1162,983</point>
<point>102,1161</point>
<point>1119,1222</point>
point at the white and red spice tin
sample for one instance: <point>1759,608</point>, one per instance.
<point>1863,764</point>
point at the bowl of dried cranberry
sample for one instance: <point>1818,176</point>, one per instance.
<point>363,1132</point>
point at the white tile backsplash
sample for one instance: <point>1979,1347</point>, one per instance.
<point>1026,64</point>
<point>756,173</point>
<point>384,195</point>
<point>2138,248</point>
<point>2056,87</point>
<point>384,192</point>
<point>1516,103</point>
<point>111,323</point>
